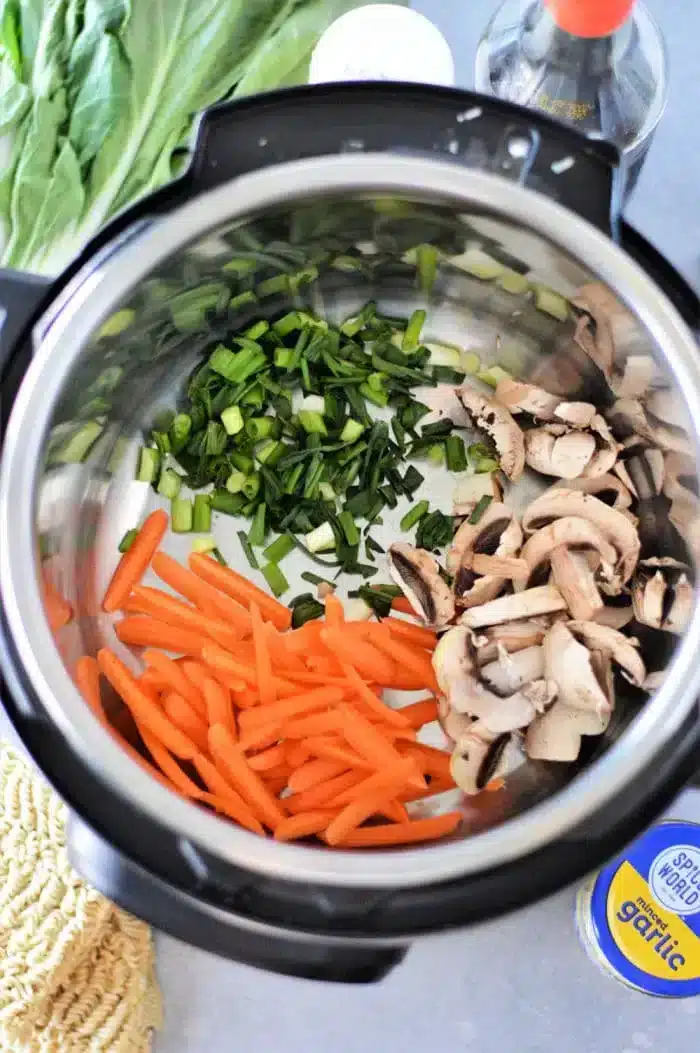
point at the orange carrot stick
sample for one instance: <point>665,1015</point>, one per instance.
<point>134,563</point>
<point>333,748</point>
<point>403,833</point>
<point>368,697</point>
<point>186,719</point>
<point>240,589</point>
<point>420,713</point>
<point>169,766</point>
<point>375,784</point>
<point>316,724</point>
<point>415,634</point>
<point>370,663</point>
<point>211,601</point>
<point>304,825</point>
<point>407,658</point>
<point>152,679</point>
<point>263,664</point>
<point>268,760</point>
<point>314,772</point>
<point>221,660</point>
<point>401,604</point>
<point>370,743</point>
<point>140,631</point>
<point>248,783</point>
<point>175,677</point>
<point>218,705</point>
<point>305,639</point>
<point>284,710</point>
<point>335,612</point>
<point>87,677</point>
<point>146,600</point>
<point>59,612</point>
<point>318,796</point>
<point>296,753</point>
<point>395,811</point>
<point>431,761</point>
<point>238,809</point>
<point>357,811</point>
<point>259,738</point>
<point>144,710</point>
<point>282,657</point>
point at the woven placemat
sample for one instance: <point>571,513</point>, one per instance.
<point>76,973</point>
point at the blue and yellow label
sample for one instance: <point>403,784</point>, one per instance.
<point>645,911</point>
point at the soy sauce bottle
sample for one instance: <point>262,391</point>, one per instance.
<point>599,65</point>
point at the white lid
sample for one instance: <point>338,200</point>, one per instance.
<point>382,42</point>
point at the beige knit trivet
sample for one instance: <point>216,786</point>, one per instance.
<point>76,973</point>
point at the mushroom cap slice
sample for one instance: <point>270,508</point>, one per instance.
<point>621,649</point>
<point>471,488</point>
<point>607,449</point>
<point>454,724</point>
<point>554,450</point>
<point>568,663</point>
<point>546,599</point>
<point>478,757</point>
<point>572,532</point>
<point>520,397</point>
<point>490,416</point>
<point>497,533</point>
<point>556,735</point>
<point>509,672</point>
<point>595,340</point>
<point>628,418</point>
<point>662,594</point>
<point>611,522</point>
<point>418,576</point>
<point>575,579</point>
<point>455,664</point>
<point>511,637</point>
<point>607,488</point>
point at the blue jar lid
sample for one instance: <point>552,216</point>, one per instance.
<point>642,913</point>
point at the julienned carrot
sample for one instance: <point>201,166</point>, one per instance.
<point>314,772</point>
<point>319,796</point>
<point>211,601</point>
<point>286,708</point>
<point>175,677</point>
<point>415,634</point>
<point>305,639</point>
<point>332,747</point>
<point>169,766</point>
<point>263,664</point>
<point>370,663</point>
<point>158,604</point>
<point>221,660</point>
<point>403,833</point>
<point>316,724</point>
<point>304,825</point>
<point>394,810</point>
<point>420,713</point>
<point>238,808</point>
<point>282,658</point>
<point>240,589</point>
<point>401,604</point>
<point>134,563</point>
<point>395,777</point>
<point>59,611</point>
<point>184,717</point>
<point>368,697</point>
<point>369,741</point>
<point>268,760</point>
<point>87,677</point>
<point>139,631</point>
<point>251,787</point>
<point>296,753</point>
<point>144,710</point>
<point>245,698</point>
<point>218,705</point>
<point>335,613</point>
<point>431,761</point>
<point>259,738</point>
<point>407,659</point>
<point>385,785</point>
<point>151,678</point>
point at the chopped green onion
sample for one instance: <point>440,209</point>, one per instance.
<point>169,483</point>
<point>248,550</point>
<point>232,420</point>
<point>203,544</point>
<point>117,323</point>
<point>149,464</point>
<point>438,427</point>
<point>270,452</point>
<point>349,528</point>
<point>275,579</point>
<point>352,429</point>
<point>257,330</point>
<point>414,515</point>
<point>216,553</point>
<point>551,303</point>
<point>493,375</point>
<point>236,482</point>
<point>180,431</point>
<point>279,549</point>
<point>470,362</point>
<point>455,454</point>
<point>241,461</point>
<point>284,358</point>
<point>312,422</point>
<point>128,539</point>
<point>251,486</point>
<point>377,396</point>
<point>434,531</point>
<point>314,579</point>
<point>412,480</point>
<point>201,516</point>
<point>78,446</point>
<point>229,504</point>
<point>427,258</point>
<point>288,323</point>
<point>246,297</point>
<point>322,539</point>
<point>436,454</point>
<point>258,428</point>
<point>411,337</point>
<point>181,515</point>
<point>486,464</point>
<point>256,534</point>
<point>479,509</point>
<point>279,283</point>
<point>305,609</point>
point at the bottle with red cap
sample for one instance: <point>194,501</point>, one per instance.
<point>599,65</point>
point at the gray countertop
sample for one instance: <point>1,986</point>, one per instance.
<point>521,983</point>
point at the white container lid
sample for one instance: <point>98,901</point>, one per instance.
<point>382,42</point>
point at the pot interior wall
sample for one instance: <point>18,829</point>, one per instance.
<point>330,256</point>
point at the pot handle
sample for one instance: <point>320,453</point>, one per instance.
<point>475,130</point>
<point>217,928</point>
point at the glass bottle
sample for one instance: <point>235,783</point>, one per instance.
<point>599,65</point>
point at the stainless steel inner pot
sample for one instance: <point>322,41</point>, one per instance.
<point>63,521</point>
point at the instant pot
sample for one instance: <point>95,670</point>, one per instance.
<point>299,181</point>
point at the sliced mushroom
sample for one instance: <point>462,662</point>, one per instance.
<point>680,485</point>
<point>615,617</point>
<point>642,471</point>
<point>654,680</point>
<point>636,377</point>
<point>497,533</point>
<point>575,580</point>
<point>568,663</point>
<point>544,599</point>
<point>454,724</point>
<point>633,368</point>
<point>607,488</point>
<point>511,567</point>
<point>662,594</point>
<point>418,576</point>
<point>538,403</point>
<point>556,735</point>
<point>622,650</point>
<point>571,532</point>
<point>493,418</point>
<point>472,488</point>
<point>511,637</point>
<point>611,522</point>
<point>510,672</point>
<point>479,756</point>
<point>556,450</point>
<point>594,333</point>
<point>629,419</point>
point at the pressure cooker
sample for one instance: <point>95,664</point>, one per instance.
<point>329,167</point>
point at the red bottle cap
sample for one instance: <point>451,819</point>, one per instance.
<point>590,18</point>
